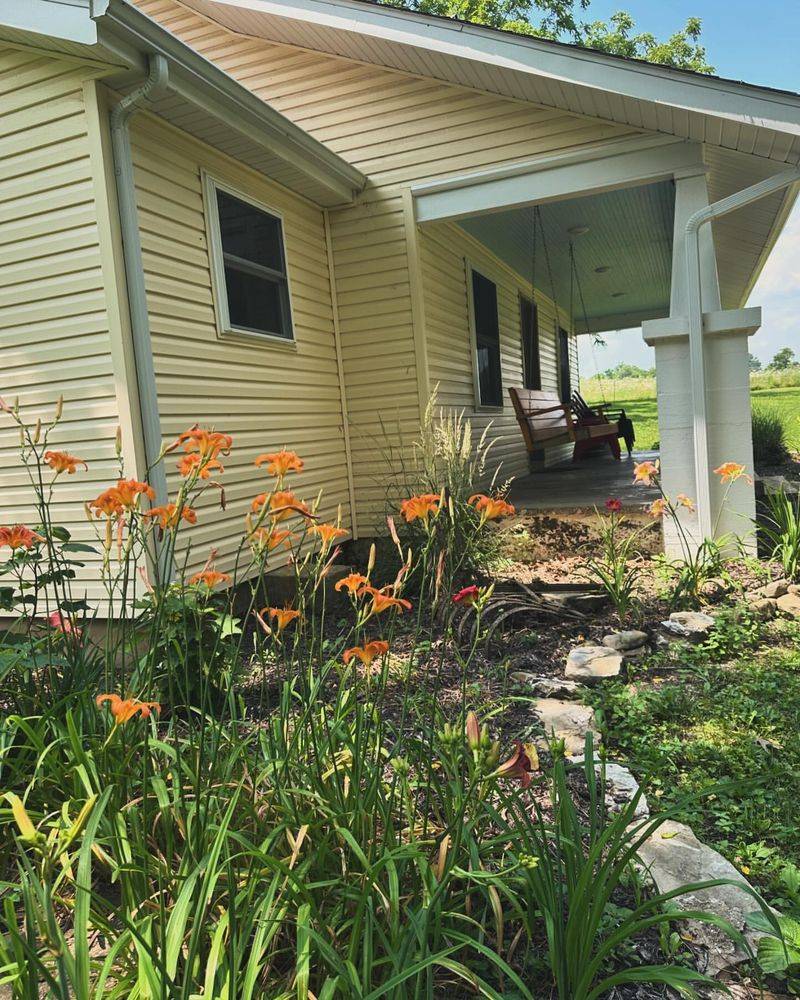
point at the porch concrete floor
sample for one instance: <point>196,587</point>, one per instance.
<point>587,483</point>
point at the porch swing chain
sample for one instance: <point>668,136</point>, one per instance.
<point>575,279</point>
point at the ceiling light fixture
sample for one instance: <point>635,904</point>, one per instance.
<point>617,295</point>
<point>603,269</point>
<point>578,230</point>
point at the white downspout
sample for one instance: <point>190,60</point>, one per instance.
<point>155,84</point>
<point>695,320</point>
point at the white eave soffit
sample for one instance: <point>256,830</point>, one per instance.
<point>565,65</point>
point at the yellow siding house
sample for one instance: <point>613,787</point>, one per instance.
<point>293,221</point>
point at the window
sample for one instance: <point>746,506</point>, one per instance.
<point>529,327</point>
<point>487,340</point>
<point>564,374</point>
<point>252,287</point>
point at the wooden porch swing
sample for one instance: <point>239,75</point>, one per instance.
<point>544,418</point>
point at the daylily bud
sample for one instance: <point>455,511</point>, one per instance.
<point>109,536</point>
<point>37,433</point>
<point>371,560</point>
<point>59,408</point>
<point>473,731</point>
<point>118,442</point>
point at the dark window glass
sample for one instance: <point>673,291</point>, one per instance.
<point>487,340</point>
<point>255,267</point>
<point>529,325</point>
<point>564,375</point>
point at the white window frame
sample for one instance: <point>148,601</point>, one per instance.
<point>225,329</point>
<point>480,407</point>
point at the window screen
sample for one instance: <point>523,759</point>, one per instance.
<point>487,340</point>
<point>255,268</point>
<point>529,327</point>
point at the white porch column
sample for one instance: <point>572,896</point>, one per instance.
<point>727,382</point>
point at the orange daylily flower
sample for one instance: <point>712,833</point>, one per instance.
<point>366,653</point>
<point>381,601</point>
<point>282,504</point>
<point>124,709</point>
<point>282,616</point>
<point>328,533</point>
<point>269,538</point>
<point>353,583</point>
<point>278,463</point>
<point>210,577</point>
<point>729,472</point>
<point>645,473</point>
<point>203,448</point>
<point>62,461</point>
<point>19,537</point>
<point>685,501</point>
<point>421,507</point>
<point>657,507</point>
<point>124,496</point>
<point>491,508</point>
<point>194,462</point>
<point>518,766</point>
<point>168,516</point>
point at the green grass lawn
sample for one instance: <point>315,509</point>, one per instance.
<point>637,397</point>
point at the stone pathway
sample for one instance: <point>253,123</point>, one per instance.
<point>567,721</point>
<point>674,857</point>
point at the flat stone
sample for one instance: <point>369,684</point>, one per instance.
<point>794,588</point>
<point>764,608</point>
<point>692,626</point>
<point>546,687</point>
<point>774,589</point>
<point>621,788</point>
<point>567,721</point>
<point>585,603</point>
<point>593,663</point>
<point>674,857</point>
<point>789,604</point>
<point>624,641</point>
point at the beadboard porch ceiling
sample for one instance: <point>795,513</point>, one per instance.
<point>622,245</point>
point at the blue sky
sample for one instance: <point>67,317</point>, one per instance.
<point>758,43</point>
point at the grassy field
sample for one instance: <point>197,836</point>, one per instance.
<point>638,397</point>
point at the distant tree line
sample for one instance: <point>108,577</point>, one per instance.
<point>784,358</point>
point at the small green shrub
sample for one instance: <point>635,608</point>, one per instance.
<point>781,527</point>
<point>769,436</point>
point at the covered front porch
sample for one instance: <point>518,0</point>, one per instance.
<point>584,485</point>
<point>619,236</point>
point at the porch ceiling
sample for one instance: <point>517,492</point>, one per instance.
<point>629,234</point>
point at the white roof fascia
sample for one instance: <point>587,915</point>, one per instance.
<point>64,19</point>
<point>659,85</point>
<point>200,81</point>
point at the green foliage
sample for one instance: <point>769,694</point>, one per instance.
<point>753,363</point>
<point>615,569</point>
<point>625,370</point>
<point>769,436</point>
<point>721,726</point>
<point>784,358</point>
<point>575,876</point>
<point>560,20</point>
<point>780,525</point>
<point>618,36</point>
<point>335,838</point>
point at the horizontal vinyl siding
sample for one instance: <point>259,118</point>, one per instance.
<point>266,395</point>
<point>54,326</point>
<point>398,129</point>
<point>446,252</point>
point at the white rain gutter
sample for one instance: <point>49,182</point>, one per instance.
<point>155,85</point>
<point>695,318</point>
